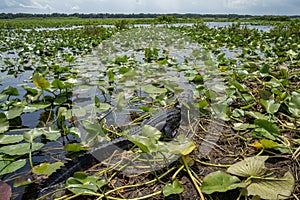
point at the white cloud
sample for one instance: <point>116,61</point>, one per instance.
<point>76,7</point>
<point>31,4</point>
<point>236,4</point>
<point>153,6</point>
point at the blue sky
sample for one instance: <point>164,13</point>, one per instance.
<point>253,7</point>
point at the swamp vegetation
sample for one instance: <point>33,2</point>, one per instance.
<point>65,91</point>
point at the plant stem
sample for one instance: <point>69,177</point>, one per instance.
<point>30,156</point>
<point>177,172</point>
<point>211,164</point>
<point>139,198</point>
<point>193,178</point>
<point>136,185</point>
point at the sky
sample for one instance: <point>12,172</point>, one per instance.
<point>252,7</point>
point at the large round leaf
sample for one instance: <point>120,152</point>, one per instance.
<point>220,182</point>
<point>150,89</point>
<point>272,187</point>
<point>253,166</point>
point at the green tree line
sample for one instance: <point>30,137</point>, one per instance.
<point>144,15</point>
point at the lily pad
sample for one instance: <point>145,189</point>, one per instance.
<point>4,123</point>
<point>183,146</point>
<point>121,101</point>
<point>270,105</point>
<point>220,111</point>
<point>10,91</point>
<point>272,187</point>
<point>294,104</point>
<point>267,128</point>
<point>75,147</point>
<point>40,82</point>
<point>9,167</point>
<point>16,111</point>
<point>35,107</point>
<point>32,134</point>
<point>46,168</point>
<point>20,149</point>
<point>58,84</point>
<point>82,183</point>
<point>220,182</point>
<point>51,134</point>
<point>174,188</point>
<point>150,89</point>
<point>253,166</point>
<point>10,139</point>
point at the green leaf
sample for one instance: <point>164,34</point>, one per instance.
<point>32,134</point>
<point>34,107</point>
<point>150,89</point>
<point>110,75</point>
<point>220,111</point>
<point>242,126</point>
<point>270,105</point>
<point>182,146</point>
<point>75,147</point>
<point>31,91</point>
<point>267,128</point>
<point>237,85</point>
<point>273,83</point>
<point>252,166</point>
<point>46,168</point>
<point>82,183</point>
<point>58,84</point>
<point>147,142</point>
<point>198,79</point>
<point>10,139</point>
<point>104,107</point>
<point>14,112</point>
<point>174,188</point>
<point>142,142</point>
<point>220,182</point>
<point>20,149</point>
<point>272,187</point>
<point>75,132</point>
<point>10,91</point>
<point>151,132</point>
<point>294,104</point>
<point>80,188</point>
<point>40,82</point>
<point>94,130</point>
<point>4,123</point>
<point>268,144</point>
<point>256,115</point>
<point>97,101</point>
<point>202,103</point>
<point>60,100</point>
<point>121,101</point>
<point>238,113</point>
<point>51,134</point>
<point>12,166</point>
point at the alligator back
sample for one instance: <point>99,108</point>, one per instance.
<point>166,121</point>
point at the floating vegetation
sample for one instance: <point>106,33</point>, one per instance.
<point>65,92</point>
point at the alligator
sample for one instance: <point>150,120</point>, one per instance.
<point>167,121</point>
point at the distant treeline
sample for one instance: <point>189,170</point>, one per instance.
<point>146,15</point>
